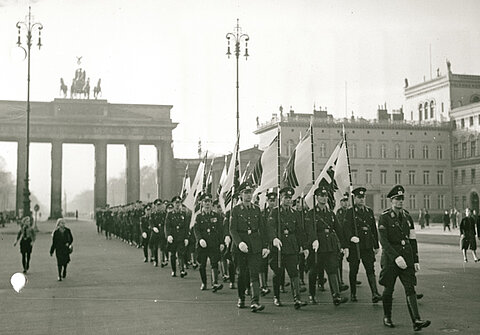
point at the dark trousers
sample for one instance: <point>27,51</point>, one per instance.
<point>289,263</point>
<point>248,267</point>
<point>145,246</point>
<point>368,259</point>
<point>26,260</point>
<point>203,255</point>
<point>177,250</point>
<point>325,261</point>
<point>388,277</point>
<point>153,245</point>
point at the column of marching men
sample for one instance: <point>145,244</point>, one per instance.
<point>290,239</point>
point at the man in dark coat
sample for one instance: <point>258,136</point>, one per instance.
<point>177,228</point>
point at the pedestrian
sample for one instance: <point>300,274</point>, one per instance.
<point>288,236</point>
<point>327,242</point>
<point>398,258</point>
<point>446,221</point>
<point>468,235</point>
<point>62,246</point>
<point>421,219</point>
<point>208,230</point>
<point>145,228</point>
<point>26,235</point>
<point>458,216</point>
<point>250,245</point>
<point>177,229</point>
<point>427,218</point>
<point>361,231</point>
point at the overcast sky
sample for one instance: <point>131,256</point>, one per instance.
<point>173,52</point>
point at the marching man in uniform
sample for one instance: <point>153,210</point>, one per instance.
<point>288,236</point>
<point>361,231</point>
<point>398,258</point>
<point>177,224</point>
<point>209,235</point>
<point>250,244</point>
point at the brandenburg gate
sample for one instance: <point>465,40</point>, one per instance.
<point>94,122</point>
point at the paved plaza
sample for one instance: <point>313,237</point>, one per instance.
<point>109,290</point>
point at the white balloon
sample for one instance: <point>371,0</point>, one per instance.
<point>18,281</point>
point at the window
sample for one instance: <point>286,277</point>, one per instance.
<point>383,201</point>
<point>432,109</point>
<point>439,152</point>
<point>411,151</point>
<point>368,178</point>
<point>420,112</point>
<point>426,201</point>
<point>456,201</point>
<point>353,150</point>
<point>464,177</point>
<point>383,177</point>
<point>397,151</point>
<point>441,201</point>
<point>425,110</point>
<point>425,151</point>
<point>455,151</point>
<point>383,151</point>
<point>354,177</point>
<point>368,151</point>
<point>473,175</point>
<point>440,177</point>
<point>470,121</point>
<point>464,201</point>
<point>426,177</point>
<point>464,150</point>
<point>411,177</point>
<point>412,201</point>
<point>323,150</point>
<point>398,177</point>
<point>473,148</point>
<point>455,177</point>
<point>462,123</point>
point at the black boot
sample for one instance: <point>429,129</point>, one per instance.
<point>376,297</point>
<point>216,286</point>
<point>297,302</point>
<point>353,289</point>
<point>418,323</point>
<point>387,312</point>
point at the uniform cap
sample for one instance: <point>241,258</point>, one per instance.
<point>271,195</point>
<point>359,192</point>
<point>176,198</point>
<point>396,191</point>
<point>169,205</point>
<point>323,188</point>
<point>245,186</point>
<point>287,191</point>
<point>205,196</point>
<point>344,197</point>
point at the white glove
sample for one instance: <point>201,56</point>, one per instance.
<point>155,229</point>
<point>315,245</point>
<point>306,252</point>
<point>228,240</point>
<point>376,251</point>
<point>243,247</point>
<point>203,243</point>
<point>401,262</point>
<point>144,235</point>
<point>354,239</point>
<point>222,247</point>
<point>265,252</point>
<point>170,239</point>
<point>417,267</point>
<point>185,241</point>
<point>277,243</point>
<point>346,252</point>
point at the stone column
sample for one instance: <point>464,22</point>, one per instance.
<point>159,172</point>
<point>133,172</point>
<point>168,173</point>
<point>100,188</point>
<point>56,181</point>
<point>21,168</point>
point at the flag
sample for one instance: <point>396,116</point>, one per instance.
<point>196,188</point>
<point>209,179</point>
<point>335,172</point>
<point>232,181</point>
<point>244,175</point>
<point>185,184</point>
<point>265,172</point>
<point>223,177</point>
<point>298,171</point>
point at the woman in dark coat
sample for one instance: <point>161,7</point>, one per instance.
<point>26,235</point>
<point>467,235</point>
<point>62,245</point>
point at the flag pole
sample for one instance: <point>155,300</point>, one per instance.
<point>351,188</point>
<point>313,181</point>
<point>278,192</point>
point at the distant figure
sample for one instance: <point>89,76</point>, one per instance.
<point>97,90</point>
<point>26,235</point>
<point>459,217</point>
<point>453,217</point>
<point>76,214</point>
<point>2,220</point>
<point>62,246</point>
<point>446,221</point>
<point>467,236</point>
<point>427,218</point>
<point>63,88</point>
<point>421,219</point>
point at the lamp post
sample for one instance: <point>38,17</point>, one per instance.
<point>237,36</point>
<point>30,27</point>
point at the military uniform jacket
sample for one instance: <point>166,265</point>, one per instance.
<point>247,225</point>
<point>145,223</point>
<point>177,225</point>
<point>291,232</point>
<point>328,232</point>
<point>394,230</point>
<point>209,226</point>
<point>366,228</point>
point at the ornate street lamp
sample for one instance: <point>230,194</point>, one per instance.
<point>237,37</point>
<point>30,27</point>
